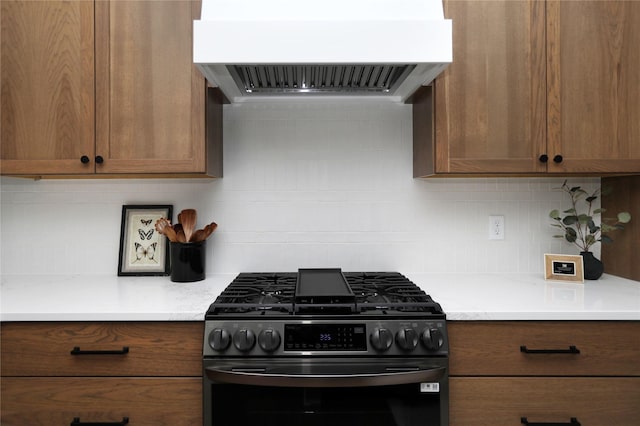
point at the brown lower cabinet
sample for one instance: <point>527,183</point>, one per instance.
<point>505,401</point>
<point>50,401</point>
<point>62,373</point>
<point>498,376</point>
<point>508,373</point>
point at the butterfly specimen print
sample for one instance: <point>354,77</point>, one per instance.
<point>143,250</point>
<point>145,235</point>
<point>148,253</point>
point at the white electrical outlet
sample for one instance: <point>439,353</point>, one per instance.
<point>496,227</point>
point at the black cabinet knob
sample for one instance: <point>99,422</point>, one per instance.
<point>557,159</point>
<point>84,159</point>
<point>99,159</point>
<point>543,158</point>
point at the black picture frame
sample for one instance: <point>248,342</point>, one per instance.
<point>143,252</point>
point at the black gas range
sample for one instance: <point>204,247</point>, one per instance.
<point>306,339</point>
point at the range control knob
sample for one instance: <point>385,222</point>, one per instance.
<point>244,340</point>
<point>219,339</point>
<point>432,339</point>
<point>381,339</point>
<point>269,339</point>
<point>407,339</point>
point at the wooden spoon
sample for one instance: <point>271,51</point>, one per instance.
<point>163,226</point>
<point>180,237</point>
<point>203,234</point>
<point>187,219</point>
<point>208,230</point>
<point>198,236</point>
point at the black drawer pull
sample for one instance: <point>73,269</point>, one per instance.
<point>574,422</point>
<point>572,350</point>
<point>76,351</point>
<point>76,422</point>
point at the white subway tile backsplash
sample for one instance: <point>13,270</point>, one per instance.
<point>305,185</point>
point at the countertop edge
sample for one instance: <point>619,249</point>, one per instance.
<point>463,297</point>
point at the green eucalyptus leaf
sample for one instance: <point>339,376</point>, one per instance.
<point>624,217</point>
<point>580,193</point>
<point>606,227</point>
<point>577,221</point>
<point>605,239</point>
<point>584,219</point>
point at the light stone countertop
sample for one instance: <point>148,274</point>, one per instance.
<point>463,297</point>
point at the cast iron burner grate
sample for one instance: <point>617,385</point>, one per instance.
<point>257,293</point>
<point>390,292</point>
<point>376,293</point>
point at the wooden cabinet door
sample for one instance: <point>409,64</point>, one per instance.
<point>504,401</point>
<point>138,348</point>
<point>594,85</point>
<point>150,107</point>
<point>512,348</point>
<point>49,401</point>
<point>47,78</point>
<point>490,102</point>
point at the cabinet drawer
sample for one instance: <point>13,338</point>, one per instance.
<point>57,401</point>
<point>493,401</point>
<point>487,348</point>
<point>154,349</point>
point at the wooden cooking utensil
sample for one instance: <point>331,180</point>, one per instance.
<point>163,226</point>
<point>187,219</point>
<point>203,234</point>
<point>208,230</point>
<point>198,236</point>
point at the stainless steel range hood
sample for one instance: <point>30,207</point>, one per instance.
<point>337,49</point>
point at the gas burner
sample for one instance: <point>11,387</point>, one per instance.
<point>324,292</point>
<point>255,293</point>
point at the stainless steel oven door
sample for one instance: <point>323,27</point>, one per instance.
<point>335,392</point>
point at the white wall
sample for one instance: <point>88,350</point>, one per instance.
<point>305,185</point>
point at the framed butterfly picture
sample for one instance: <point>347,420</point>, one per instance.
<point>142,250</point>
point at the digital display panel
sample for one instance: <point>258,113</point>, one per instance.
<point>325,337</point>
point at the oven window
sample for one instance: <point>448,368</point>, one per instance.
<point>401,405</point>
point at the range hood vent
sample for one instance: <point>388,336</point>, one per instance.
<point>282,79</point>
<point>366,49</point>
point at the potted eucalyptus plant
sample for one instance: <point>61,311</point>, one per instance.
<point>579,227</point>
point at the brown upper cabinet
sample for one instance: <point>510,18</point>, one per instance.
<point>105,88</point>
<point>535,88</point>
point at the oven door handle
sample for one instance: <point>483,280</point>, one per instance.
<point>292,380</point>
